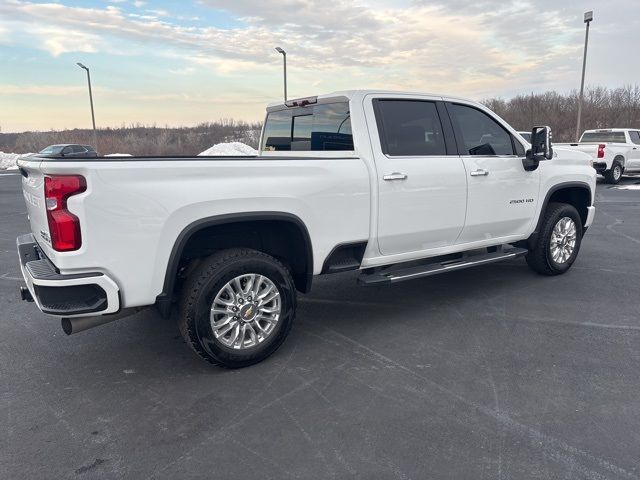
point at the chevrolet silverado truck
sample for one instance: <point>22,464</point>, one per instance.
<point>397,186</point>
<point>613,151</point>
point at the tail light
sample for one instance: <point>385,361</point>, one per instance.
<point>64,226</point>
<point>601,150</point>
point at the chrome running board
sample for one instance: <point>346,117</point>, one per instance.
<point>397,273</point>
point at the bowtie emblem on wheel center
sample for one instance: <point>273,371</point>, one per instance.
<point>248,312</point>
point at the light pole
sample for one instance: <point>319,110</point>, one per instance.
<point>284,59</point>
<point>93,117</point>
<point>588,17</point>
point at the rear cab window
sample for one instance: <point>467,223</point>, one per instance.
<point>316,128</point>
<point>603,137</point>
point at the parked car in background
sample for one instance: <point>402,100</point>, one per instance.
<point>526,136</point>
<point>68,150</point>
<point>396,185</point>
<point>614,151</point>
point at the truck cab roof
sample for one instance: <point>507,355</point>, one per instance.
<point>604,130</point>
<point>347,95</point>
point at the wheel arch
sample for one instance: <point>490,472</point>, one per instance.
<point>260,225</point>
<point>577,194</point>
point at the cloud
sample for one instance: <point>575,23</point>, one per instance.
<point>475,48</point>
<point>200,99</point>
<point>58,41</point>
<point>158,13</point>
<point>183,71</point>
<point>50,90</point>
<point>55,90</point>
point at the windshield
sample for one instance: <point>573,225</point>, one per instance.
<point>52,149</point>
<point>603,137</point>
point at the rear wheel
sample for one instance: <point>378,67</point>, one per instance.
<point>558,241</point>
<point>614,175</point>
<point>237,307</point>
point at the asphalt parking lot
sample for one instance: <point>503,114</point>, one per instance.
<point>493,372</point>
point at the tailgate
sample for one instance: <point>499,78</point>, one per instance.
<point>589,148</point>
<point>33,191</point>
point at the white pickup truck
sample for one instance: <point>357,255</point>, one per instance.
<point>396,185</point>
<point>613,151</point>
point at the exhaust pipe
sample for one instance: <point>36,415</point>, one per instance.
<point>80,324</point>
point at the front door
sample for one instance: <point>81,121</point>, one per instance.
<point>502,196</point>
<point>422,186</point>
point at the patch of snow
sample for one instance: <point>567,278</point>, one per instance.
<point>229,149</point>
<point>627,187</point>
<point>8,160</point>
<point>119,155</point>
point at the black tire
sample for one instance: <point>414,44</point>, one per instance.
<point>539,257</point>
<point>206,282</point>
<point>614,175</point>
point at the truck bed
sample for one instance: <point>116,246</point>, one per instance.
<point>135,208</point>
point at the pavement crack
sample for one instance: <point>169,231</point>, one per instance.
<point>617,222</point>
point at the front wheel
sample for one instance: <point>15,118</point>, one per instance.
<point>237,307</point>
<point>558,241</point>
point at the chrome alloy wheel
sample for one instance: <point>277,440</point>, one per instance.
<point>563,240</point>
<point>245,311</point>
<point>617,172</point>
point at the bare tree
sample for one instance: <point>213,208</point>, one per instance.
<point>602,108</point>
<point>140,139</point>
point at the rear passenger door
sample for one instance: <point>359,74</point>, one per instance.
<point>422,187</point>
<point>502,195</point>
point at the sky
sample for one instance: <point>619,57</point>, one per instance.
<point>185,62</point>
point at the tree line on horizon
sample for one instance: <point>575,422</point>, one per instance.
<point>140,139</point>
<point>602,108</point>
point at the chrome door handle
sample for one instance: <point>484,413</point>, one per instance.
<point>481,172</point>
<point>394,176</point>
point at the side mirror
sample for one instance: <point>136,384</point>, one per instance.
<point>541,148</point>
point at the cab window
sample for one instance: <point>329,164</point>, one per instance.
<point>479,134</point>
<point>409,128</point>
